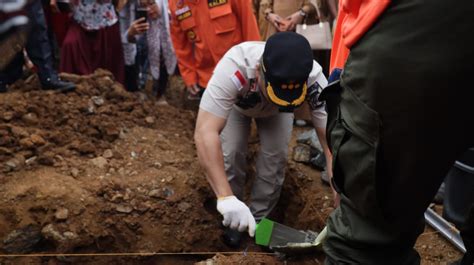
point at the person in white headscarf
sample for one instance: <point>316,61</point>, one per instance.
<point>161,55</point>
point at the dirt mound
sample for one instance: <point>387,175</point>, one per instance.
<point>41,127</point>
<point>243,259</point>
<point>102,171</point>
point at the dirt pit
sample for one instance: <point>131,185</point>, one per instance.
<point>101,171</point>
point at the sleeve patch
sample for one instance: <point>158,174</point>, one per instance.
<point>313,96</point>
<point>238,79</point>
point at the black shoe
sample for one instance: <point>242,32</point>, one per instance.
<point>318,161</point>
<point>232,237</point>
<point>58,85</point>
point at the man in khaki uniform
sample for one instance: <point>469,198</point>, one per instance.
<point>265,82</point>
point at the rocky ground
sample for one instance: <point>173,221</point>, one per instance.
<point>101,170</point>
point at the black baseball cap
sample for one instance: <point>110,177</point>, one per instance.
<point>287,61</point>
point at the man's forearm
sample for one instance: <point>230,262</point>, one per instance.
<point>321,132</point>
<point>209,151</point>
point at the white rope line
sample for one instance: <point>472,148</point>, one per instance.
<point>130,254</point>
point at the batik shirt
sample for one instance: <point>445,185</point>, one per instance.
<point>94,14</point>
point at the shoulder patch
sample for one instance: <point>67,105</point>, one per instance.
<point>313,96</point>
<point>238,79</point>
<point>182,10</point>
<point>183,13</point>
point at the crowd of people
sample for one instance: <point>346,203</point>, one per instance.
<point>138,40</point>
<point>393,85</point>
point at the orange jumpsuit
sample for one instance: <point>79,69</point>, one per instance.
<point>203,30</point>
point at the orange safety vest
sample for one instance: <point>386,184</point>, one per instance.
<point>203,30</point>
<point>355,17</point>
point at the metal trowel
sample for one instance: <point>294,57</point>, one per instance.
<point>286,239</point>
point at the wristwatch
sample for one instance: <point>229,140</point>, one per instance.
<point>302,13</point>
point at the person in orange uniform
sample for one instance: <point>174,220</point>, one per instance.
<point>202,32</point>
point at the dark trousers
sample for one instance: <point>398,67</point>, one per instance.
<point>141,60</point>
<point>37,46</point>
<point>467,234</point>
<point>136,75</point>
<point>159,86</point>
<point>323,58</point>
<point>398,120</point>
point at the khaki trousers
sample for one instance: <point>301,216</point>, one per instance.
<point>274,134</point>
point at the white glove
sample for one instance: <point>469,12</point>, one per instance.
<point>236,214</point>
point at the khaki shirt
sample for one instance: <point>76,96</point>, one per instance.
<point>233,84</point>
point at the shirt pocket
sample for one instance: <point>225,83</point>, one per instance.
<point>222,18</point>
<point>187,23</point>
<point>188,26</point>
<point>354,138</point>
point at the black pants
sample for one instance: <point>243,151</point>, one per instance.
<point>467,234</point>
<point>400,117</point>
<point>37,46</point>
<point>159,86</point>
<point>323,57</point>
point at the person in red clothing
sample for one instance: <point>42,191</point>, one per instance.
<point>203,31</point>
<point>93,40</point>
<point>398,117</point>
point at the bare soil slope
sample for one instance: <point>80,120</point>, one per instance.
<point>101,170</point>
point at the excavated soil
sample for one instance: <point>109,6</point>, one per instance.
<point>101,171</point>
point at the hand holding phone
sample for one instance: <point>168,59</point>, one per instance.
<point>138,26</point>
<point>141,12</point>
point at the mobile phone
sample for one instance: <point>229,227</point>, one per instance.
<point>141,11</point>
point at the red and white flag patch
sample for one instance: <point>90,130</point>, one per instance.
<point>238,79</point>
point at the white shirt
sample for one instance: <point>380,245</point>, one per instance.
<point>232,79</point>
